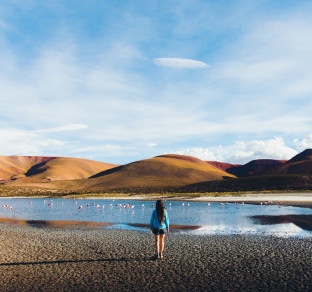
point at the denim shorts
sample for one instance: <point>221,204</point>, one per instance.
<point>158,231</point>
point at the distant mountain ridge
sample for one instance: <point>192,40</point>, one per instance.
<point>299,164</point>
<point>164,172</point>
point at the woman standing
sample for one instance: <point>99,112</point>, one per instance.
<point>159,222</point>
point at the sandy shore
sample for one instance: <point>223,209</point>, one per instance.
<point>291,199</point>
<point>296,199</point>
<point>96,259</point>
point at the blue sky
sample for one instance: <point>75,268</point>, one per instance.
<point>119,81</point>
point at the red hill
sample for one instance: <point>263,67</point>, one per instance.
<point>299,164</point>
<point>254,167</point>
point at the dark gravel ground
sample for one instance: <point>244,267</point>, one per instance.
<point>90,259</point>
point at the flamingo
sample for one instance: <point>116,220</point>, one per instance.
<point>79,208</point>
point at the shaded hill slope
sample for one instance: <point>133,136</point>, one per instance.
<point>253,184</point>
<point>164,170</point>
<point>299,164</point>
<point>254,167</point>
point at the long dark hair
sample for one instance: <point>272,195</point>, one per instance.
<point>160,210</point>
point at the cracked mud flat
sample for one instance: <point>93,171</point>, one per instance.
<point>97,259</point>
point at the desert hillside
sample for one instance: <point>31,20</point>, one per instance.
<point>12,167</point>
<point>37,168</point>
<point>164,170</point>
<point>299,164</point>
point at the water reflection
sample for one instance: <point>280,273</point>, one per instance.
<point>302,221</point>
<point>209,218</point>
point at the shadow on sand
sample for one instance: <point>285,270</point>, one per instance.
<point>143,259</point>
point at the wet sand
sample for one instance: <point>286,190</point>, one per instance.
<point>97,259</point>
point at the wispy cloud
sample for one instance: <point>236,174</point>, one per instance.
<point>180,63</point>
<point>65,128</point>
<point>66,81</point>
<point>23,142</point>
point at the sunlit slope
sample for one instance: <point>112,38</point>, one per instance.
<point>164,170</point>
<point>66,168</point>
<point>16,166</point>
<point>299,164</point>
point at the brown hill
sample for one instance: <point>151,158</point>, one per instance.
<point>164,170</point>
<point>67,168</point>
<point>37,168</point>
<point>254,167</point>
<point>16,166</point>
<point>299,164</point>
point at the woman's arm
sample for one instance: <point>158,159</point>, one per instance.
<point>167,221</point>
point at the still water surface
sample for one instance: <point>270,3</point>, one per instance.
<point>213,219</point>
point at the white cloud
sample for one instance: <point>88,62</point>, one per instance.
<point>35,142</point>
<point>243,152</point>
<point>23,142</point>
<point>304,143</point>
<point>180,63</point>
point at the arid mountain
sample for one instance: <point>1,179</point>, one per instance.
<point>66,168</point>
<point>164,170</point>
<point>254,167</point>
<point>294,174</point>
<point>299,164</point>
<point>37,168</point>
<point>164,173</point>
<point>17,166</point>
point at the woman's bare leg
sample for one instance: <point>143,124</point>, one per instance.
<point>157,244</point>
<point>161,243</point>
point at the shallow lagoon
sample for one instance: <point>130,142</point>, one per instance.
<point>213,219</point>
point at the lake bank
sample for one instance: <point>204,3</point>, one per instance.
<point>303,199</point>
<point>34,259</point>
